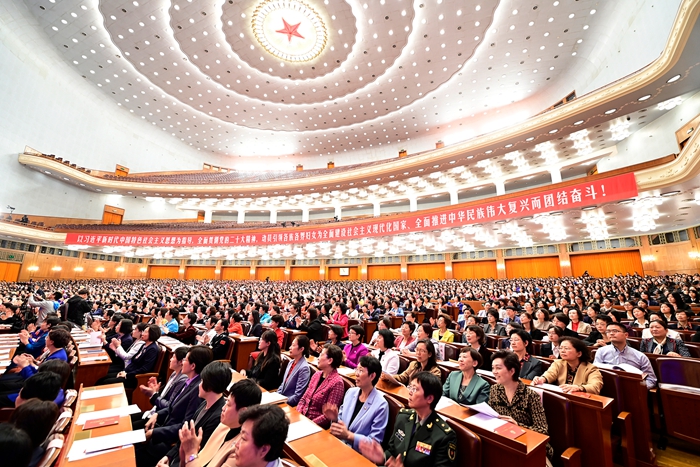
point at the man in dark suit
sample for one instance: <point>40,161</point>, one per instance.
<point>163,426</point>
<point>420,438</point>
<point>683,324</point>
<point>216,377</point>
<point>562,321</point>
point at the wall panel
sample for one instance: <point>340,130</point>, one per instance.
<point>275,274</point>
<point>200,273</point>
<point>163,272</point>
<point>607,264</point>
<point>475,270</point>
<point>9,272</point>
<point>391,272</point>
<point>235,274</point>
<point>305,273</point>
<point>533,267</point>
<point>334,274</point>
<point>426,271</point>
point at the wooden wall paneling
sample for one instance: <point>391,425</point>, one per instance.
<point>200,273</point>
<point>334,273</point>
<point>547,266</point>
<point>305,273</point>
<point>163,272</point>
<point>607,264</point>
<point>274,273</point>
<point>235,273</point>
<point>475,270</point>
<point>384,272</point>
<point>426,271</point>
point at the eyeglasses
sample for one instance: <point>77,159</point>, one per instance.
<point>612,331</point>
<point>412,389</point>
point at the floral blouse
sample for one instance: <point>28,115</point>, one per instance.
<point>525,408</point>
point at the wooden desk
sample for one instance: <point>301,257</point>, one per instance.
<point>396,321</point>
<point>87,373</point>
<point>369,327</point>
<point>120,458</point>
<point>241,351</point>
<point>291,335</point>
<point>527,450</point>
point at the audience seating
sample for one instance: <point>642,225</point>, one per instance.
<point>135,395</point>
<point>561,427</point>
<point>468,444</point>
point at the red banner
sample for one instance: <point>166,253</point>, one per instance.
<point>572,197</point>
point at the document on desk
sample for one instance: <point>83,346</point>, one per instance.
<point>84,448</point>
<point>486,422</point>
<point>551,387</point>
<point>301,429</point>
<point>391,379</point>
<point>483,408</point>
<point>96,358</point>
<point>444,402</point>
<point>345,371</point>
<point>95,393</point>
<point>119,411</point>
<point>272,398</point>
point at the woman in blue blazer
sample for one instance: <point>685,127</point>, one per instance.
<point>364,413</point>
<point>296,376</point>
<point>465,386</point>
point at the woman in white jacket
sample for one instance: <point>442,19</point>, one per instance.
<point>127,355</point>
<point>387,356</point>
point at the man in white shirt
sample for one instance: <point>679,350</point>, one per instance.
<point>619,352</point>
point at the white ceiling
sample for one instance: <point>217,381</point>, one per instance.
<point>391,70</point>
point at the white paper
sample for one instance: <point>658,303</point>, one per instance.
<point>94,359</point>
<point>120,411</point>
<point>95,393</point>
<point>678,387</point>
<point>486,422</point>
<point>90,346</point>
<point>391,378</point>
<point>345,371</point>
<point>5,362</point>
<point>272,398</point>
<point>85,447</point>
<point>444,402</point>
<point>301,429</point>
<point>551,387</point>
<point>483,408</point>
<point>485,373</point>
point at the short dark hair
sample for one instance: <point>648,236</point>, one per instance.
<point>620,326</point>
<point>427,328</point>
<point>524,336</point>
<point>562,317</point>
<point>153,332</point>
<point>52,321</point>
<point>388,338</point>
<point>510,361</point>
<point>59,337</point>
<point>303,341</point>
<point>359,330</point>
<point>270,427</point>
<point>83,292</point>
<point>278,319</point>
<point>446,318</point>
<point>216,377</point>
<point>200,356</point>
<point>36,417</point>
<point>181,352</point>
<point>141,327</point>
<point>335,354</point>
<point>661,322</point>
<point>476,356</point>
<point>313,313</point>
<point>432,360</point>
<point>493,312</point>
<point>431,386</point>
<point>126,326</point>
<point>479,331</point>
<point>192,317</point>
<point>44,386</point>
<point>245,393</point>
<point>15,445</point>
<point>372,365</point>
<point>411,325</point>
<point>57,366</point>
<point>579,346</point>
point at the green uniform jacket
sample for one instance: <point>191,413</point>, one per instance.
<point>433,444</point>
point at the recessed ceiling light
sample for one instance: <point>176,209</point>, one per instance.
<point>674,79</point>
<point>551,132</point>
<point>579,122</point>
<point>643,98</point>
<point>670,193</point>
<point>611,111</point>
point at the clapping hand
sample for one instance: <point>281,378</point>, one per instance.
<point>372,450</point>
<point>330,411</point>
<point>190,440</point>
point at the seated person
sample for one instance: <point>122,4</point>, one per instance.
<point>276,325</point>
<point>406,338</point>
<point>577,323</point>
<point>143,362</point>
<point>551,348</point>
<point>562,321</point>
<point>620,352</point>
<point>210,332</point>
<point>388,357</point>
<point>296,375</point>
<point>235,327</point>
<point>266,368</point>
<point>171,324</point>
<point>425,332</point>
<point>245,393</point>
<point>492,325</point>
<point>574,372</point>
<point>36,417</point>
<point>216,377</point>
<point>15,446</point>
<point>162,399</point>
<point>683,324</point>
<point>529,366</point>
<point>325,387</point>
<point>124,337</point>
<point>122,356</point>
<point>355,349</point>
<point>438,441</point>
<point>220,343</point>
<point>426,360</point>
<point>44,386</point>
<point>364,413</point>
<point>475,336</point>
<point>34,342</point>
<point>512,400</point>
<point>264,429</point>
<point>465,386</point>
<point>334,334</point>
<point>442,333</point>
<point>384,323</point>
<point>661,344</point>
<point>188,335</point>
<point>656,315</point>
<point>597,337</point>
<point>162,427</point>
<point>9,317</point>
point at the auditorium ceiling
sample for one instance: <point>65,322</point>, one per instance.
<point>334,78</point>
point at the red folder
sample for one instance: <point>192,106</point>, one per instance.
<point>100,422</point>
<point>510,430</point>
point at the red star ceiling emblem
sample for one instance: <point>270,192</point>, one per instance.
<point>290,30</point>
